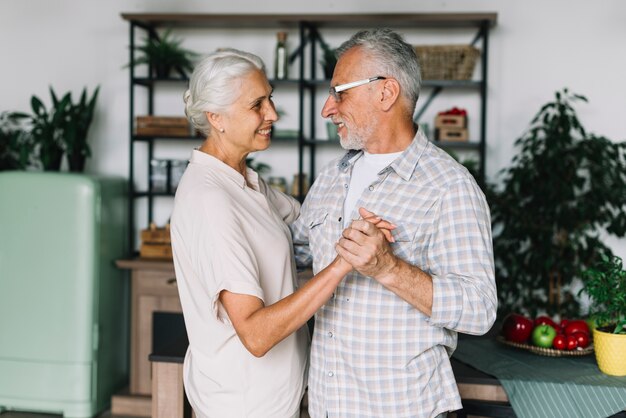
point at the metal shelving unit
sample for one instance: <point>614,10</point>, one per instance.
<point>307,84</point>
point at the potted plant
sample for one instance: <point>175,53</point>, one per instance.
<point>46,131</point>
<point>605,284</point>
<point>76,123</point>
<point>563,188</point>
<point>329,59</point>
<point>15,150</point>
<point>164,54</point>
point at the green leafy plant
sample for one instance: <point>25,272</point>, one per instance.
<point>164,54</point>
<point>59,130</point>
<point>605,284</point>
<point>562,189</point>
<point>329,58</point>
<point>46,130</point>
<point>77,120</point>
<point>15,150</point>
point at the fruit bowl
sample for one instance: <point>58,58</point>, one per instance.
<point>550,352</point>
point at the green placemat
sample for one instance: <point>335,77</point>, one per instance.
<point>546,387</point>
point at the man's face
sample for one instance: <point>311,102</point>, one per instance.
<point>353,112</point>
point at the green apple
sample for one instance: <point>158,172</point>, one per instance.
<point>543,335</point>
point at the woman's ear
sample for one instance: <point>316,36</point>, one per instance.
<point>390,93</point>
<point>215,120</point>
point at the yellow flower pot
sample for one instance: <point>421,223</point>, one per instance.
<point>610,349</point>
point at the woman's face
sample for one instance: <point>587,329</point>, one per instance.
<point>248,122</point>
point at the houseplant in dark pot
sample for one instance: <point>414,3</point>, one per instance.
<point>329,58</point>
<point>45,130</point>
<point>605,284</point>
<point>76,123</point>
<point>563,188</point>
<point>164,54</point>
<point>15,149</point>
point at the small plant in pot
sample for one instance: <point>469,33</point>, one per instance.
<point>605,284</point>
<point>77,120</point>
<point>45,131</point>
<point>329,59</point>
<point>15,149</point>
<point>164,54</point>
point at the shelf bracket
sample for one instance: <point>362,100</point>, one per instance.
<point>430,98</point>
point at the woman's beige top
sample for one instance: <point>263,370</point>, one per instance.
<point>230,236</point>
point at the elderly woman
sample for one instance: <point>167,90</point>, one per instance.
<point>248,349</point>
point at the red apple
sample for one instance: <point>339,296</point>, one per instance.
<point>571,342</point>
<point>517,328</point>
<point>576,326</point>
<point>582,338</point>
<point>540,320</point>
<point>559,342</point>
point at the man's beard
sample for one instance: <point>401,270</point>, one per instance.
<point>355,138</point>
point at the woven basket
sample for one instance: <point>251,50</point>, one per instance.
<point>447,62</point>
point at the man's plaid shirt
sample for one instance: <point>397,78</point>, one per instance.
<point>373,354</point>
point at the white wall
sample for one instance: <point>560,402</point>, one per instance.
<point>536,48</point>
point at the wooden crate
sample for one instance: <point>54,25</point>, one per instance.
<point>160,251</point>
<point>450,121</point>
<point>451,134</point>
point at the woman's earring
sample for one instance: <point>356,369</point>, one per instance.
<point>222,130</point>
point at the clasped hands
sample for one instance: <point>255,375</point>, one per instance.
<point>365,245</point>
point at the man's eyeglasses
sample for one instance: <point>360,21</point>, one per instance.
<point>334,91</point>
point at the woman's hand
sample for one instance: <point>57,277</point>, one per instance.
<point>385,226</point>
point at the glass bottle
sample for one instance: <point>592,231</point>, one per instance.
<point>281,59</point>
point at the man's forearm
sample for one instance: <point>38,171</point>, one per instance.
<point>409,283</point>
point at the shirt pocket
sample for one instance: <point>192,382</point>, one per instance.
<point>318,235</point>
<point>404,236</point>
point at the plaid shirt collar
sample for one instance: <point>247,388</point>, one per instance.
<point>404,165</point>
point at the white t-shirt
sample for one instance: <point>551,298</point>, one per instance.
<point>364,173</point>
<point>229,236</point>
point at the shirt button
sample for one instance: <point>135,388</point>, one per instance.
<point>345,185</point>
<point>340,218</point>
<point>331,374</point>
<point>330,334</point>
<point>371,188</point>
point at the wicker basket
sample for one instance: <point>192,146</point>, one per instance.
<point>447,62</point>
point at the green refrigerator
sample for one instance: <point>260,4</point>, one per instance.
<point>63,303</point>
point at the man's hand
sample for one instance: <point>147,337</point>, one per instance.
<point>366,246</point>
<point>385,226</point>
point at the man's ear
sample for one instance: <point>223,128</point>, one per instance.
<point>390,93</point>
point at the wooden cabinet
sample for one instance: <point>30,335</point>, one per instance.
<point>153,289</point>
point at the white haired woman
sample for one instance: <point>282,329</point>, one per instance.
<point>248,349</point>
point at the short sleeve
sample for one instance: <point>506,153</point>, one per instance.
<point>225,259</point>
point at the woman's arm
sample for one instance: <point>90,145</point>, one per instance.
<point>261,327</point>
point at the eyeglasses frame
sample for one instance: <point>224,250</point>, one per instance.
<point>343,87</point>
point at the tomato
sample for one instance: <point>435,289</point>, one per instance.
<point>582,339</point>
<point>559,342</point>
<point>576,326</point>
<point>571,342</point>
